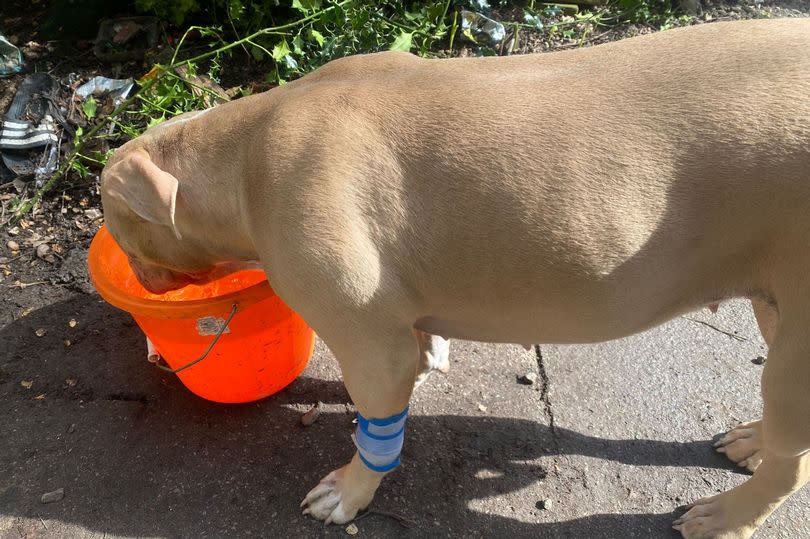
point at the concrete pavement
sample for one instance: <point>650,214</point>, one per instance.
<point>139,456</point>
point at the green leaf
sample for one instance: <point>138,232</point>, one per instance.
<point>80,169</point>
<point>317,36</point>
<point>280,51</point>
<point>306,5</point>
<point>403,42</point>
<point>298,44</point>
<point>155,121</point>
<point>89,107</point>
<point>235,9</point>
<point>258,54</point>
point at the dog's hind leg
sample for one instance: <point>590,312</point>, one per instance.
<point>434,355</point>
<point>785,433</point>
<point>767,316</point>
<point>743,444</point>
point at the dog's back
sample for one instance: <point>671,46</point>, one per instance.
<point>628,181</point>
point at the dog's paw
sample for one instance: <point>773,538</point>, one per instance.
<point>743,445</point>
<point>333,500</point>
<point>441,355</point>
<point>710,518</point>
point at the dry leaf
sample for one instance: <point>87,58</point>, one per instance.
<point>27,384</point>
<point>40,332</point>
<point>311,416</point>
<point>72,322</point>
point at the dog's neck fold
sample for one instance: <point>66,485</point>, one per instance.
<point>215,221</point>
<point>209,208</point>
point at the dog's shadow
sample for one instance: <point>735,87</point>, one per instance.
<point>138,455</point>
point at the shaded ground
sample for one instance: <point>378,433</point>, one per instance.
<point>138,455</point>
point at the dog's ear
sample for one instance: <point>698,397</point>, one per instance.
<point>146,189</point>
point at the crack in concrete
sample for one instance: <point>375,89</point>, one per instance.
<point>723,331</point>
<point>545,388</point>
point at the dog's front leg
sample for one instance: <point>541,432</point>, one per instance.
<point>743,444</point>
<point>434,355</point>
<point>736,514</point>
<point>785,440</point>
<point>379,369</point>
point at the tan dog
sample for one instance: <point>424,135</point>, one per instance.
<point>567,198</point>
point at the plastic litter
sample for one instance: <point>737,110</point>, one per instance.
<point>482,6</point>
<point>481,29</point>
<point>10,58</point>
<point>117,89</point>
<point>152,355</point>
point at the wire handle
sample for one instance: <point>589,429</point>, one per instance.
<point>205,354</point>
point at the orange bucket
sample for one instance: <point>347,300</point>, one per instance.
<point>264,345</point>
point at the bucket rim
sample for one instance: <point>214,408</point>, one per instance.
<point>153,308</point>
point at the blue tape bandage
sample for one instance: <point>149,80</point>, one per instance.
<point>379,441</point>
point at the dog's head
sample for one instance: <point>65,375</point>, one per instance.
<point>140,202</point>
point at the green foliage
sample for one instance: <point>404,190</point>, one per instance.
<point>656,12</point>
<point>89,107</point>
<point>353,27</point>
<point>333,28</point>
<point>169,96</point>
<point>175,11</point>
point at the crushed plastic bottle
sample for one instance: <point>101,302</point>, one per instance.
<point>10,58</point>
<point>480,29</point>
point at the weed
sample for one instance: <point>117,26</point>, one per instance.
<point>661,13</point>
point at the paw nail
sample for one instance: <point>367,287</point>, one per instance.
<point>305,511</point>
